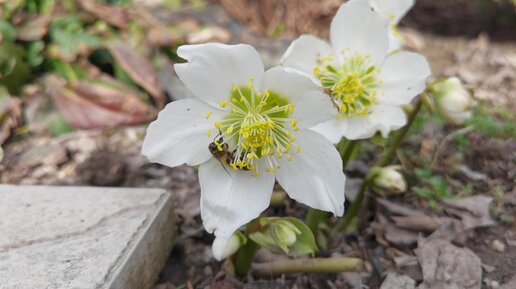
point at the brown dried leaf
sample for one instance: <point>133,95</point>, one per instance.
<point>10,116</point>
<point>396,281</point>
<point>139,69</point>
<point>396,209</point>
<point>446,266</point>
<point>474,211</point>
<point>34,28</point>
<point>88,105</point>
<point>114,15</point>
<point>420,223</point>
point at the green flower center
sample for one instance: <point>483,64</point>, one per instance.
<point>258,126</point>
<point>352,84</point>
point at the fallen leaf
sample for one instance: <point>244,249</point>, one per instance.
<point>114,15</point>
<point>474,211</point>
<point>10,116</point>
<point>420,223</point>
<point>88,105</point>
<point>33,28</point>
<point>397,281</point>
<point>397,209</point>
<point>209,34</point>
<point>446,266</point>
<point>139,69</point>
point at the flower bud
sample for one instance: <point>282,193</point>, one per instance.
<point>390,179</point>
<point>223,248</point>
<point>454,102</point>
<point>286,234</point>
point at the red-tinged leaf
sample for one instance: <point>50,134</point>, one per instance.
<point>89,105</point>
<point>10,116</point>
<point>114,15</point>
<point>139,69</point>
<point>33,28</point>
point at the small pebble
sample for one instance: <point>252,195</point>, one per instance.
<point>498,245</point>
<point>495,285</point>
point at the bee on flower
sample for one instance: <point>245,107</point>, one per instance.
<point>368,84</point>
<point>246,128</point>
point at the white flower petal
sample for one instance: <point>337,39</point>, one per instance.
<point>302,54</point>
<point>358,28</point>
<point>314,176</point>
<point>395,40</point>
<point>213,69</point>
<point>313,106</point>
<point>180,133</point>
<point>394,9</point>
<point>403,76</point>
<point>333,130</point>
<point>230,199</point>
<point>381,118</point>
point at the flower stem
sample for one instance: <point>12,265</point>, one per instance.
<point>352,211</point>
<point>313,218</point>
<point>307,266</point>
<point>389,153</point>
<point>346,148</point>
<point>245,255</point>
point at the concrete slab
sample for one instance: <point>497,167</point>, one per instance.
<point>83,237</point>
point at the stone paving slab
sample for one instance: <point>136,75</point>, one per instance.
<point>83,237</point>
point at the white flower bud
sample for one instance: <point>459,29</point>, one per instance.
<point>454,102</point>
<point>223,248</point>
<point>390,179</point>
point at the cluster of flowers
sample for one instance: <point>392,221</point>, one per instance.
<point>248,127</point>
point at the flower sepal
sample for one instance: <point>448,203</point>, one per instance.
<point>287,234</point>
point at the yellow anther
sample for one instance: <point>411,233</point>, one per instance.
<point>208,115</point>
<point>209,133</point>
<point>235,88</point>
<point>223,103</point>
<point>217,125</point>
<point>298,149</point>
<point>230,130</point>
<point>294,123</point>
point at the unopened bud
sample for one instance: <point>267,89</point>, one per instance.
<point>390,179</point>
<point>286,234</point>
<point>453,101</point>
<point>223,248</point>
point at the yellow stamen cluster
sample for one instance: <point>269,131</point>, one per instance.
<point>258,126</point>
<point>352,83</point>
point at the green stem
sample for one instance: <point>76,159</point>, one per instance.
<point>313,218</point>
<point>346,151</point>
<point>245,254</point>
<point>314,265</point>
<point>389,153</point>
<point>352,211</point>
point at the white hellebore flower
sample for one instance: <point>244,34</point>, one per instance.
<point>394,10</point>
<point>368,85</point>
<point>245,128</point>
<point>454,102</point>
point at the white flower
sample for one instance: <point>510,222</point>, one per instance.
<point>222,248</point>
<point>390,179</point>
<point>367,84</point>
<point>245,128</point>
<point>394,10</point>
<point>453,101</point>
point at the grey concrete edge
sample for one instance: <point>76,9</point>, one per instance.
<point>149,249</point>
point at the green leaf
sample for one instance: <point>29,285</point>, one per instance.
<point>7,31</point>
